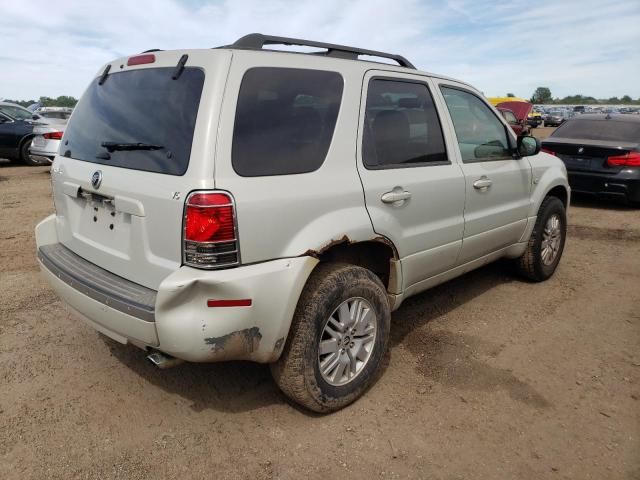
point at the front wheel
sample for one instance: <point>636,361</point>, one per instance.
<point>546,244</point>
<point>337,339</point>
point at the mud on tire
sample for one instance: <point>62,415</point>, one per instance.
<point>298,371</point>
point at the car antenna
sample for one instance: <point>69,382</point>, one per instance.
<point>180,67</point>
<point>103,77</point>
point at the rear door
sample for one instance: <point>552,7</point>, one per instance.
<point>497,185</point>
<point>414,190</point>
<point>134,147</point>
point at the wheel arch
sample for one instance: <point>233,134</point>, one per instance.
<point>560,192</point>
<point>378,255</point>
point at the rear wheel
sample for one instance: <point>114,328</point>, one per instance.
<point>337,339</point>
<point>26,158</point>
<point>546,244</point>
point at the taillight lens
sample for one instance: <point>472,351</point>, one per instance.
<point>209,238</point>
<point>53,135</point>
<point>548,150</point>
<point>629,159</point>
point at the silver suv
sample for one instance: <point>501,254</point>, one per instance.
<point>240,203</point>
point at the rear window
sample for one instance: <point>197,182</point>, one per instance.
<point>613,130</point>
<point>140,106</point>
<point>285,120</point>
<point>57,115</point>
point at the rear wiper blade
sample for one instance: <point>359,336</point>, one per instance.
<point>113,146</point>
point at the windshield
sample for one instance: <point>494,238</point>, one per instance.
<point>137,107</point>
<point>606,130</point>
<point>16,112</point>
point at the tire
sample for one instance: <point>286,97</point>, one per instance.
<point>26,158</point>
<point>534,264</point>
<point>299,371</point>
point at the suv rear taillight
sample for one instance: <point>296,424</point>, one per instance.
<point>629,159</point>
<point>210,238</point>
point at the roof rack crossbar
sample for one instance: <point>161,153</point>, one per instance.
<point>256,41</point>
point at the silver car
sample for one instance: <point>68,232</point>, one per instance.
<point>46,140</point>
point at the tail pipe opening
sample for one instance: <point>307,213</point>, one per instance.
<point>162,360</point>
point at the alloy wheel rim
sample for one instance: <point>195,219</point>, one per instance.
<point>551,239</point>
<point>347,341</point>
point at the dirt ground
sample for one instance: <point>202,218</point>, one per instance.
<point>487,377</point>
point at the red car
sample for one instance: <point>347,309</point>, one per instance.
<point>515,113</point>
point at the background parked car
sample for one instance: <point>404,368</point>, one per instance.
<point>601,153</point>
<point>15,138</point>
<point>46,141</point>
<point>518,126</point>
<point>534,119</point>
<point>555,118</point>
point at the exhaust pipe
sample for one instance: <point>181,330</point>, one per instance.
<point>162,360</point>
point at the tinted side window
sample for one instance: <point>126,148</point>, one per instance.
<point>401,126</point>
<point>481,136</point>
<point>285,120</point>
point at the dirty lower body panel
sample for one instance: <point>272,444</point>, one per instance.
<point>194,315</point>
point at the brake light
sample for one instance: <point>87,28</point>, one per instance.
<point>141,59</point>
<point>53,135</point>
<point>209,237</point>
<point>629,159</point>
<point>547,150</point>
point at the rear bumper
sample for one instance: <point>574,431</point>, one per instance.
<point>175,319</point>
<point>42,154</point>
<point>624,184</point>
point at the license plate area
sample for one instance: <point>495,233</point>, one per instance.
<point>580,163</point>
<point>101,224</point>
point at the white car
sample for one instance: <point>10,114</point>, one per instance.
<point>46,141</point>
<point>244,204</point>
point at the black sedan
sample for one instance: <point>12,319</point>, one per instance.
<point>601,153</point>
<point>15,139</point>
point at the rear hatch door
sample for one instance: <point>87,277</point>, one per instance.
<point>135,145</point>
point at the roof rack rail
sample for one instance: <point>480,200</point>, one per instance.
<point>256,41</point>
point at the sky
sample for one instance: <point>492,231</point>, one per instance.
<point>589,47</point>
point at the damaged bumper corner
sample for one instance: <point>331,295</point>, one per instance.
<point>191,330</point>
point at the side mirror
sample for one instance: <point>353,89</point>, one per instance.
<point>35,117</point>
<point>528,145</point>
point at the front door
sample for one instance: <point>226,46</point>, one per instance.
<point>414,190</point>
<point>497,185</point>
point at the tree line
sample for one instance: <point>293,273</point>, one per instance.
<point>61,101</point>
<point>542,95</point>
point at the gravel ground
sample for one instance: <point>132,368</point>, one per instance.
<point>487,377</point>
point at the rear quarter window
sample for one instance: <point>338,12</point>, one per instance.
<point>285,119</point>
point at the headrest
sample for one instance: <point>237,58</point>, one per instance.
<point>409,103</point>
